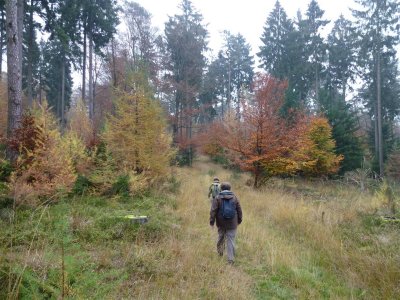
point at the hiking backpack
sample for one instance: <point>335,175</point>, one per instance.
<point>215,189</point>
<point>228,208</point>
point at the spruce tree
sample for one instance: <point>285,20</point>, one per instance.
<point>275,50</point>
<point>377,23</point>
<point>315,44</point>
<point>186,38</point>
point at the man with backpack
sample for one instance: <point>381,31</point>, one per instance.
<point>214,190</point>
<point>227,213</point>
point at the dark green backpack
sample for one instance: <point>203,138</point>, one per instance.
<point>215,189</point>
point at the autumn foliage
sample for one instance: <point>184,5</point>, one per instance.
<point>44,170</point>
<point>136,136</point>
<point>317,149</point>
<point>266,144</point>
<point>79,122</point>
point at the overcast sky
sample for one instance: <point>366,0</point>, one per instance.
<point>246,17</point>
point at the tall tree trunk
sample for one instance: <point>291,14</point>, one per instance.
<point>379,115</point>
<point>40,86</point>
<point>2,29</point>
<point>14,74</point>
<point>84,66</point>
<point>20,25</point>
<point>238,103</point>
<point>113,62</point>
<point>316,84</point>
<point>91,100</point>
<point>62,91</point>
<point>29,74</point>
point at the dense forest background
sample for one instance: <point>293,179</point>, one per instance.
<point>315,105</point>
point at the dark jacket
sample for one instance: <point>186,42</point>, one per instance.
<point>216,214</point>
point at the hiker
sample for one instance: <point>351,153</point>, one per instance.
<point>226,210</point>
<point>214,189</point>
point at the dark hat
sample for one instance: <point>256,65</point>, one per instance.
<point>225,186</point>
<point>216,179</point>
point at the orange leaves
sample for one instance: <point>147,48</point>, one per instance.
<point>267,144</point>
<point>44,169</point>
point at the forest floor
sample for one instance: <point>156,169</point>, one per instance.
<point>298,240</point>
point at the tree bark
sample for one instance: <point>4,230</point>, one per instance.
<point>84,66</point>
<point>14,74</point>
<point>91,100</point>
<point>62,92</point>
<point>113,62</point>
<point>29,74</point>
<point>20,26</point>
<point>2,29</point>
<point>379,116</point>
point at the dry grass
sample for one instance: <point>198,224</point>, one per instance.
<point>298,240</point>
<point>289,246</point>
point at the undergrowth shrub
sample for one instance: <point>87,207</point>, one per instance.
<point>43,169</point>
<point>81,185</point>
<point>5,169</point>
<point>76,149</point>
<point>121,186</point>
<point>104,169</point>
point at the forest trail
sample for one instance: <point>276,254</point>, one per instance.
<point>271,262</point>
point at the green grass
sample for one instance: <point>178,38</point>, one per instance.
<point>299,240</point>
<point>99,255</point>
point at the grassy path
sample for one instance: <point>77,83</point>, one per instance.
<point>284,250</point>
<point>190,268</point>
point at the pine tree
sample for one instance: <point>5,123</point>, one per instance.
<point>238,66</point>
<point>377,22</point>
<point>274,52</point>
<point>344,121</point>
<point>52,78</point>
<point>186,42</point>
<point>98,20</point>
<point>315,44</point>
<point>342,56</point>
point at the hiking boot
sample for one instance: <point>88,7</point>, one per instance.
<point>231,262</point>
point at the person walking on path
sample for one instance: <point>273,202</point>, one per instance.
<point>227,213</point>
<point>214,190</point>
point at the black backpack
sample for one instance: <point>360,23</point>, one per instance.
<point>228,208</point>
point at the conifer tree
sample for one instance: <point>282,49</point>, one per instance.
<point>342,56</point>
<point>186,39</point>
<point>136,133</point>
<point>98,20</point>
<point>315,44</point>
<point>238,66</point>
<point>377,23</point>
<point>276,37</point>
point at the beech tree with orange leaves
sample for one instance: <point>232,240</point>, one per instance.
<point>262,140</point>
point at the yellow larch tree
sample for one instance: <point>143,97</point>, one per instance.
<point>136,134</point>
